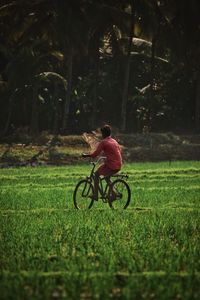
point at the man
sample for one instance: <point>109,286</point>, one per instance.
<point>110,148</point>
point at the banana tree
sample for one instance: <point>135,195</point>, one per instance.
<point>55,80</point>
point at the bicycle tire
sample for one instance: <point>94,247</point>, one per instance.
<point>87,187</point>
<point>113,203</point>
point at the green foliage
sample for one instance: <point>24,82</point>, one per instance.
<point>50,250</point>
<point>85,43</point>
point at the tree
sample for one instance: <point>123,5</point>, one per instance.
<point>40,80</point>
<point>108,51</point>
<point>127,69</point>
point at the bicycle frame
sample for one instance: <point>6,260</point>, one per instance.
<point>109,191</point>
<point>101,189</point>
<point>94,165</point>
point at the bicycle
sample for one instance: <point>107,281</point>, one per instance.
<point>117,193</point>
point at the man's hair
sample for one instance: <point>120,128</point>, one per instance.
<point>106,130</point>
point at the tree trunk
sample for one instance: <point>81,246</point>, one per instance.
<point>197,104</point>
<point>96,77</point>
<point>127,73</point>
<point>56,107</point>
<point>69,89</point>
<point>151,93</point>
<point>34,127</point>
<point>152,68</point>
<point>10,109</point>
<point>152,76</point>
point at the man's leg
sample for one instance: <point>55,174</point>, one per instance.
<point>109,181</point>
<point>102,170</point>
<point>107,173</point>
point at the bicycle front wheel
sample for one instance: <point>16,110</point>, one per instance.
<point>119,194</point>
<point>83,195</point>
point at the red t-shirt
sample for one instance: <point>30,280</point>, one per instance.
<point>112,151</point>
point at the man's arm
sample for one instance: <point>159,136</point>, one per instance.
<point>96,152</point>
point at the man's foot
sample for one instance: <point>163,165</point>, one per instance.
<point>113,197</point>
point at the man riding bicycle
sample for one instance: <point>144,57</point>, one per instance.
<point>113,162</point>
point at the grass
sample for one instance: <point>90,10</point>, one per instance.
<point>49,250</point>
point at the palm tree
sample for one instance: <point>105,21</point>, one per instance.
<point>148,20</point>
<point>106,20</point>
<point>127,68</point>
<point>71,29</point>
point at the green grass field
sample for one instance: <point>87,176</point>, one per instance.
<point>49,250</point>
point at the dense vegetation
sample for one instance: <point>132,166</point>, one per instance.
<point>25,150</point>
<point>67,66</point>
<point>49,250</point>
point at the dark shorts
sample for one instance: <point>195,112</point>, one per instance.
<point>104,170</point>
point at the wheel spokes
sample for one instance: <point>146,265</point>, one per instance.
<point>119,195</point>
<point>83,195</point>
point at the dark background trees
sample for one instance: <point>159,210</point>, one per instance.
<point>69,66</point>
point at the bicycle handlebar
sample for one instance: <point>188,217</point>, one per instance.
<point>98,160</point>
<point>94,163</point>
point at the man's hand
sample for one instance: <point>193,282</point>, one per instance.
<point>85,155</point>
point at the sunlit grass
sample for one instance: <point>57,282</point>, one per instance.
<point>50,250</point>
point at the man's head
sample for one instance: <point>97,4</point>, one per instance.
<point>105,131</point>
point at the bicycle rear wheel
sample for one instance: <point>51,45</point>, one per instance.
<point>83,195</point>
<point>119,194</point>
